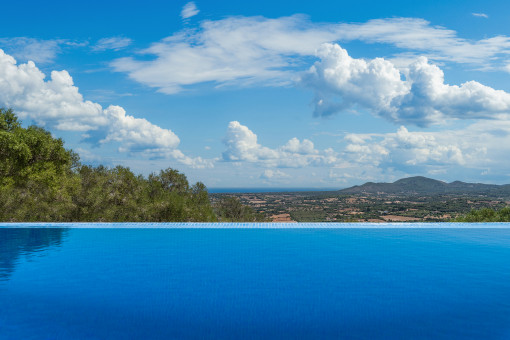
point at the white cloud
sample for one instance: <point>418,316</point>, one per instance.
<point>112,43</point>
<point>418,96</point>
<point>189,10</point>
<point>235,50</point>
<point>39,51</point>
<point>58,104</point>
<point>242,146</point>
<point>257,50</point>
<point>387,156</point>
<point>413,148</point>
<point>274,174</point>
<point>137,133</point>
<point>454,153</point>
<point>464,148</point>
<point>194,162</point>
<point>303,148</point>
<point>449,153</point>
<point>435,42</point>
<point>367,153</point>
<point>481,15</point>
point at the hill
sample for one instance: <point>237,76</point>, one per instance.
<point>420,185</point>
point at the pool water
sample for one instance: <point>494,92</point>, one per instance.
<point>227,283</point>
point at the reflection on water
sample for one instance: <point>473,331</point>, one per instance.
<point>16,244</point>
<point>118,283</point>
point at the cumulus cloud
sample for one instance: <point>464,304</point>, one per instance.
<point>418,96</point>
<point>303,148</point>
<point>57,103</point>
<point>426,148</point>
<point>479,147</point>
<point>189,10</point>
<point>367,153</point>
<point>430,149</point>
<point>112,43</point>
<point>242,146</point>
<point>137,133</point>
<point>257,50</point>
<point>401,148</point>
<point>274,174</point>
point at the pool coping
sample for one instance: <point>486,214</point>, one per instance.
<point>255,225</point>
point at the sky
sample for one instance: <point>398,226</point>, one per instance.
<point>268,94</point>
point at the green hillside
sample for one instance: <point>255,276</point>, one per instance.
<point>420,185</point>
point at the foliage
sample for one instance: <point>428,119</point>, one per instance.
<point>486,215</point>
<point>119,195</point>
<point>36,178</point>
<point>40,180</point>
<point>230,209</point>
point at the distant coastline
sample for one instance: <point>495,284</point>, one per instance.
<point>260,190</point>
<point>412,199</point>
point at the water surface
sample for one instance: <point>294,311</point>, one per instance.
<point>190,283</point>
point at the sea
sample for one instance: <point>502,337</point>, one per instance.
<point>264,190</point>
<point>255,281</point>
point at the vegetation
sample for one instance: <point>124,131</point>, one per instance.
<point>40,180</point>
<point>119,195</point>
<point>486,215</point>
<point>230,209</point>
<point>420,185</point>
<point>335,206</point>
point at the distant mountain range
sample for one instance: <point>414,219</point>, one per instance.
<point>420,185</point>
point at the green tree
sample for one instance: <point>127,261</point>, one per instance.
<point>486,215</point>
<point>230,209</point>
<point>174,200</point>
<point>111,195</point>
<point>202,209</point>
<point>37,181</point>
<point>40,180</point>
<point>8,120</point>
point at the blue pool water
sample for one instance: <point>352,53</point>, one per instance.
<point>292,283</point>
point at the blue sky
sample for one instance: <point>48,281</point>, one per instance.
<point>268,93</point>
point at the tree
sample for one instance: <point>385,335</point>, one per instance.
<point>40,180</point>
<point>486,215</point>
<point>37,181</point>
<point>174,200</point>
<point>230,209</point>
<point>8,120</point>
<point>202,209</point>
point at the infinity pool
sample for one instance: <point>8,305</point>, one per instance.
<point>179,281</point>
